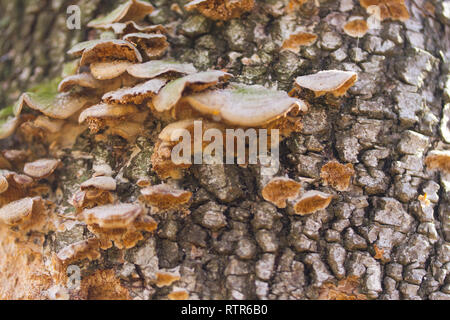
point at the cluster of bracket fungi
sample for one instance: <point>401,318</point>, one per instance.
<point>122,79</point>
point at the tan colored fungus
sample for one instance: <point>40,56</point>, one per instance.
<point>346,289</point>
<point>109,69</point>
<point>356,28</point>
<point>154,45</point>
<point>18,187</point>
<point>388,9</point>
<point>132,10</point>
<point>83,80</point>
<point>178,294</point>
<point>164,197</point>
<point>245,105</point>
<point>78,251</point>
<point>438,159</point>
<point>137,94</point>
<point>59,106</point>
<point>132,27</point>
<point>102,285</point>
<point>42,168</point>
<point>280,189</point>
<point>335,82</point>
<point>156,68</point>
<point>337,175</point>
<point>297,40</point>
<point>165,279</point>
<point>221,9</point>
<point>105,50</point>
<point>311,202</point>
<point>98,116</point>
<point>172,92</point>
<point>121,223</point>
<point>27,214</point>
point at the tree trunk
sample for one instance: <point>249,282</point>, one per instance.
<point>376,236</point>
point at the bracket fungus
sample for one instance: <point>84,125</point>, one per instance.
<point>356,28</point>
<point>54,105</point>
<point>165,279</point>
<point>335,82</point>
<point>8,122</point>
<point>297,40</point>
<point>15,186</point>
<point>84,80</point>
<point>221,9</point>
<point>134,10</point>
<point>178,294</point>
<point>279,190</point>
<point>438,159</point>
<point>132,27</point>
<point>121,223</point>
<point>346,289</point>
<point>156,68</point>
<point>110,69</point>
<point>94,192</point>
<point>137,94</point>
<point>105,51</point>
<point>337,175</point>
<point>387,9</point>
<point>164,198</point>
<point>27,214</point>
<point>173,91</point>
<point>78,251</point>
<point>97,115</point>
<point>42,168</point>
<point>311,202</point>
<point>154,45</point>
<point>244,105</point>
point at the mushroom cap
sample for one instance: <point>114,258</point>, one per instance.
<point>102,183</point>
<point>133,10</point>
<point>280,189</point>
<point>84,249</point>
<point>54,105</point>
<point>172,92</point>
<point>133,27</point>
<point>311,202</point>
<point>394,9</point>
<point>221,9</point>
<point>109,69</point>
<point>153,44</point>
<point>337,175</point>
<point>136,94</point>
<point>169,133</point>
<point>108,111</point>
<point>7,126</point>
<point>165,197</point>
<point>112,216</point>
<point>296,40</point>
<point>41,168</point>
<point>356,28</point>
<point>245,105</point>
<point>165,279</point>
<point>84,80</point>
<point>16,212</point>
<point>105,50</point>
<point>333,81</point>
<point>4,185</point>
<point>155,68</point>
<point>178,294</point>
<point>438,159</point>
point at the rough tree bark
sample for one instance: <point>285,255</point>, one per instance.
<point>377,231</point>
